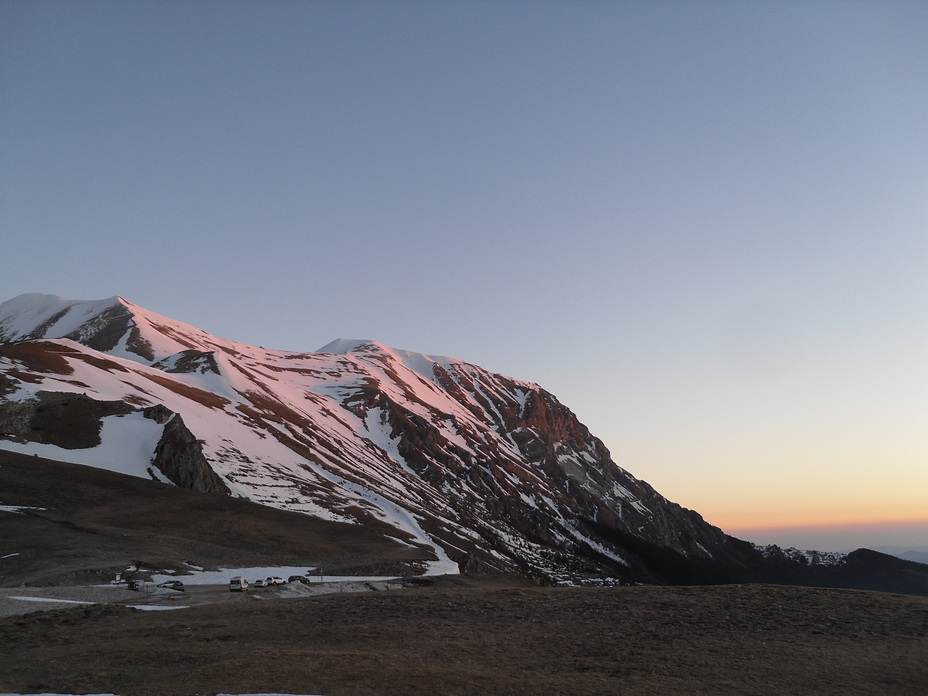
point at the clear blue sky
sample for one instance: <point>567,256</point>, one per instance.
<point>702,225</point>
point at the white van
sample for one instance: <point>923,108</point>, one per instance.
<point>238,584</point>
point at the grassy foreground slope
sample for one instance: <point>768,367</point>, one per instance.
<point>454,638</point>
<point>83,525</point>
<point>451,635</point>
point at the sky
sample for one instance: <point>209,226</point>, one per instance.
<point>702,225</point>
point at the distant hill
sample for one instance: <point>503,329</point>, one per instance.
<point>905,553</point>
<point>916,556</point>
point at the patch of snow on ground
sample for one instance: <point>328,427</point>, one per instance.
<point>443,566</point>
<point>298,589</point>
<point>127,443</point>
<point>48,599</point>
<point>596,546</point>
<point>375,421</point>
<point>17,508</point>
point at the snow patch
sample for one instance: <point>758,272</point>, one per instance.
<point>127,445</point>
<point>17,508</point>
<point>48,599</point>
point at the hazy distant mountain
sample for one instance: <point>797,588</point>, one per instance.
<point>905,552</point>
<point>488,471</point>
<point>916,556</point>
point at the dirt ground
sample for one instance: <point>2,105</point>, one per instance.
<point>462,636</point>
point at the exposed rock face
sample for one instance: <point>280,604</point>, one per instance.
<point>103,331</point>
<point>179,456</point>
<point>545,479</point>
<point>190,361</point>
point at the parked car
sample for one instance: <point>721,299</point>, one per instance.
<point>173,585</point>
<point>238,584</point>
<point>298,578</point>
<point>275,581</point>
<point>261,583</point>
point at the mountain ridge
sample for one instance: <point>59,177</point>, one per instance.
<point>485,470</point>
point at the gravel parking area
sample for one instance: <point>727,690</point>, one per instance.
<point>24,600</point>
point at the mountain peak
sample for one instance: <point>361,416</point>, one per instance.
<point>343,346</point>
<point>112,325</point>
<point>417,362</point>
<point>38,315</point>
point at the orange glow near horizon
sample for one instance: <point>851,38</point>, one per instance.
<point>911,534</point>
<point>820,519</point>
<point>781,507</point>
<point>818,503</point>
<point>787,477</point>
<point>828,526</point>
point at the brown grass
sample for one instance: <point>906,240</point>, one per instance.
<point>93,523</point>
<point>201,396</point>
<point>459,635</point>
<point>39,356</point>
<point>748,640</point>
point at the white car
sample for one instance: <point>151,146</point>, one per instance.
<point>260,583</point>
<point>276,581</point>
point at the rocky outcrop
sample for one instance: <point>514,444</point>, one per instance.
<point>190,361</point>
<point>573,509</point>
<point>179,455</point>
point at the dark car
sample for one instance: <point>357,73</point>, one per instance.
<point>298,578</point>
<point>173,585</point>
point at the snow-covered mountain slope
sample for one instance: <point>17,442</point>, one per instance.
<point>113,326</point>
<point>487,470</point>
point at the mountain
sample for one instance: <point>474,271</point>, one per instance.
<point>485,471</point>
<point>907,553</point>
